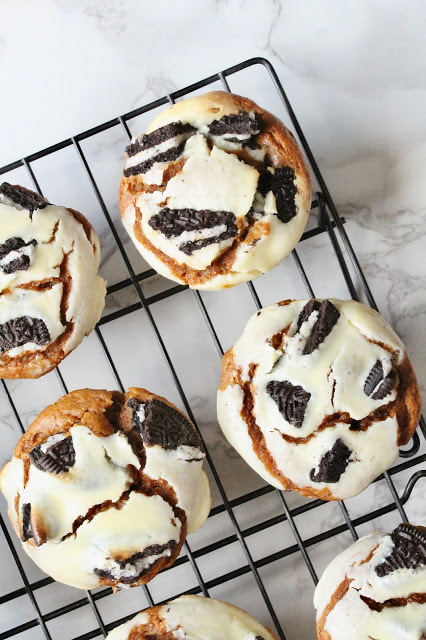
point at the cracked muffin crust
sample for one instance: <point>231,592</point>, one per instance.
<point>192,618</point>
<point>216,192</point>
<point>103,487</point>
<point>317,396</point>
<point>50,291</point>
<point>376,589</point>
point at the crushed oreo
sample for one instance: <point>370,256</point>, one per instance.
<point>281,183</point>
<point>56,459</point>
<point>21,262</point>
<point>20,331</point>
<point>167,156</point>
<point>332,464</point>
<point>409,550</point>
<point>27,531</point>
<point>160,424</point>
<point>174,222</point>
<point>23,197</point>
<point>291,400</point>
<point>239,124</point>
<point>377,386</point>
<point>158,136</point>
<point>328,316</point>
<point>152,550</point>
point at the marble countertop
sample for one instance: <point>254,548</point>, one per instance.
<point>354,74</point>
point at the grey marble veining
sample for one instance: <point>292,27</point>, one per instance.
<point>354,74</point>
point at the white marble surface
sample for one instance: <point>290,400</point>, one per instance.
<point>354,72</point>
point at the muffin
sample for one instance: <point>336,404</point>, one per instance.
<point>103,487</point>
<point>52,295</point>
<point>216,192</point>
<point>317,396</point>
<point>195,618</point>
<point>376,589</point>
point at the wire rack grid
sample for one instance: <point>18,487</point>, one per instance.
<point>245,513</point>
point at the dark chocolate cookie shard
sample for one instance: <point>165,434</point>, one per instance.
<point>27,531</point>
<point>167,156</point>
<point>21,262</point>
<point>332,464</point>
<point>173,222</point>
<point>377,386</point>
<point>281,183</point>
<point>409,550</point>
<point>56,459</point>
<point>19,331</point>
<point>291,400</point>
<point>328,316</point>
<point>135,560</point>
<point>158,136</point>
<point>163,425</point>
<point>23,197</point>
<point>239,124</point>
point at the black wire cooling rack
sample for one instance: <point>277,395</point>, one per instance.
<point>332,226</point>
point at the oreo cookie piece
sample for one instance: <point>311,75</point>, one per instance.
<point>56,459</point>
<point>20,331</point>
<point>291,400</point>
<point>161,424</point>
<point>174,222</point>
<point>134,568</point>
<point>158,136</point>
<point>26,528</point>
<point>23,197</point>
<point>332,464</point>
<point>281,183</point>
<point>328,316</point>
<point>166,156</point>
<point>235,125</point>
<point>409,550</point>
<point>21,262</point>
<point>377,386</point>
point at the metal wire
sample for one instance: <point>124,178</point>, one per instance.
<point>328,222</point>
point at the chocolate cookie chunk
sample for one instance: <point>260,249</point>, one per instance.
<point>23,197</point>
<point>291,399</point>
<point>409,550</point>
<point>174,222</point>
<point>237,124</point>
<point>158,136</point>
<point>281,183</point>
<point>21,262</point>
<point>160,424</point>
<point>27,531</point>
<point>332,464</point>
<point>377,385</point>
<point>20,331</point>
<point>56,459</point>
<point>166,156</point>
<point>328,316</point>
<point>139,564</point>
